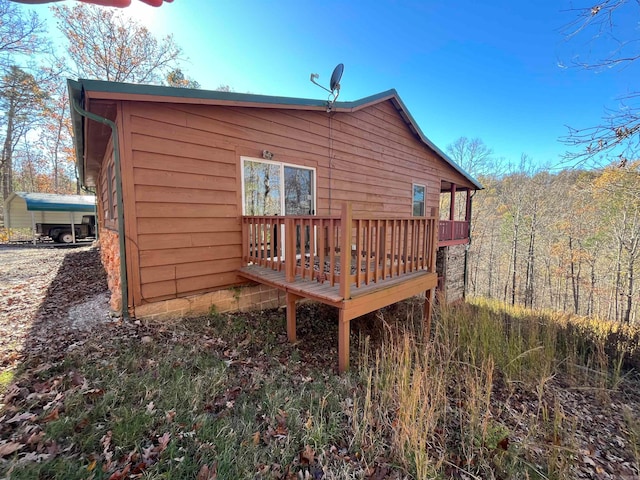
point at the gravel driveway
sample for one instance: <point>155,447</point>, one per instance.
<point>49,299</point>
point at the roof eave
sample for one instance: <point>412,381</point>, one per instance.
<point>77,123</point>
<point>98,89</point>
<point>408,118</point>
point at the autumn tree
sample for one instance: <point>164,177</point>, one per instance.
<point>609,28</point>
<point>20,99</point>
<point>56,139</point>
<point>177,78</point>
<point>104,44</point>
<point>618,190</point>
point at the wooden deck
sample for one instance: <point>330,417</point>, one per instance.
<point>387,260</point>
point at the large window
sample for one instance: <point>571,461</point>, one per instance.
<point>273,188</point>
<point>418,200</point>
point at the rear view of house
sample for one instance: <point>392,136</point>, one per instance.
<point>236,200</point>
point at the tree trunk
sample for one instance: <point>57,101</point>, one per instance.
<point>592,289</point>
<point>575,278</point>
<point>616,298</point>
<point>515,262</point>
<point>528,291</point>
<point>7,154</point>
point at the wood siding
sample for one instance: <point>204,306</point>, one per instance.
<point>181,168</point>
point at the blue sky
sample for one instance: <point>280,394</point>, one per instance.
<point>496,70</point>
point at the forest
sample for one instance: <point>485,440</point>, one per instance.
<point>568,241</point>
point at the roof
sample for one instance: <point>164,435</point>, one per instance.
<point>128,91</point>
<point>57,203</point>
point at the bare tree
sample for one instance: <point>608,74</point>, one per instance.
<point>21,34</point>
<point>602,25</point>
<point>473,156</point>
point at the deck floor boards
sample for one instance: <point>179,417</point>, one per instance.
<point>323,291</point>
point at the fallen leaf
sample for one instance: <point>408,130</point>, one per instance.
<point>54,415</point>
<point>504,443</point>
<point>77,379</point>
<point>163,441</point>
<point>93,393</point>
<point>35,437</point>
<point>208,473</point>
<point>27,416</point>
<point>82,424</point>
<point>256,438</point>
<point>8,448</point>
<point>307,456</point>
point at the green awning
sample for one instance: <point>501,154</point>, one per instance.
<point>50,202</point>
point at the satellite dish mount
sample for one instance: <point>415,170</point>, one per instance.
<point>334,85</point>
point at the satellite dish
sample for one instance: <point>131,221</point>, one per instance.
<point>334,84</point>
<point>335,77</point>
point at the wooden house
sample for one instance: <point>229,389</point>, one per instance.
<point>222,200</point>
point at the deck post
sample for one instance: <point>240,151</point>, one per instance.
<point>428,307</point>
<point>344,329</point>
<point>245,241</point>
<point>289,249</point>
<point>291,316</point>
<point>452,205</point>
<point>346,221</point>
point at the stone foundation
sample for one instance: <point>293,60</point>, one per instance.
<point>450,266</point>
<point>110,254</point>
<point>245,298</point>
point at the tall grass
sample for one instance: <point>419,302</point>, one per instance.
<point>427,396</point>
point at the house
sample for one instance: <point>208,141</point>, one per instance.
<point>231,200</point>
<point>23,210</point>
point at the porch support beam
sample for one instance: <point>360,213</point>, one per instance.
<point>344,331</point>
<point>291,316</point>
<point>428,308</point>
<point>452,206</point>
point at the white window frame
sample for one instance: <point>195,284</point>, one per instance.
<point>282,165</point>
<point>424,199</point>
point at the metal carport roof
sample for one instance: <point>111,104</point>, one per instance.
<point>50,202</point>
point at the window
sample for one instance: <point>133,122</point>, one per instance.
<point>418,200</point>
<point>273,188</point>
<point>110,204</point>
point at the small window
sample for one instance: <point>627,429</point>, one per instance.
<point>418,200</point>
<point>110,204</point>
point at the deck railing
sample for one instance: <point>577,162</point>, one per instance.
<point>317,248</point>
<point>453,230</point>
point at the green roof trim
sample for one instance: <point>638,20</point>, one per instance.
<point>50,202</point>
<point>77,89</point>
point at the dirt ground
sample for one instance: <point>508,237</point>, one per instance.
<point>49,297</point>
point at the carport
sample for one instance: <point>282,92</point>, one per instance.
<point>24,210</point>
